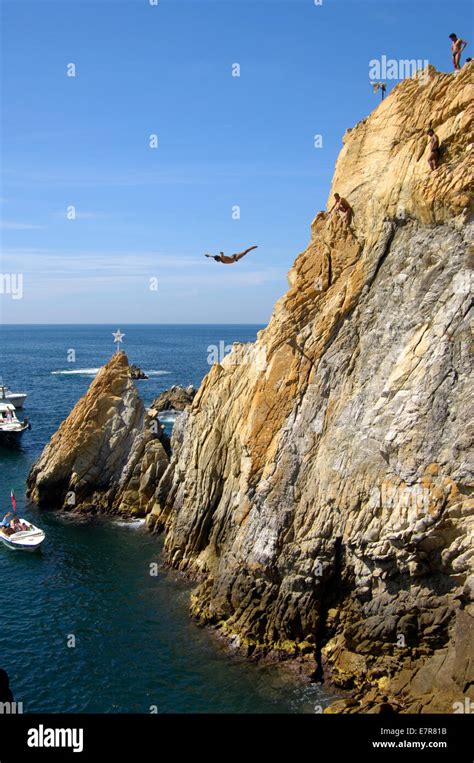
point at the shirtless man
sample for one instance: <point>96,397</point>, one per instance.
<point>457,47</point>
<point>221,257</point>
<point>343,207</point>
<point>15,525</point>
<point>433,156</point>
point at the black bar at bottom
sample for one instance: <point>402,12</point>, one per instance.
<point>151,737</point>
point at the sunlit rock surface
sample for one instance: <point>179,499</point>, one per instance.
<point>320,482</point>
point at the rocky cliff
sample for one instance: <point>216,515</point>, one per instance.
<point>108,455</point>
<point>319,487</point>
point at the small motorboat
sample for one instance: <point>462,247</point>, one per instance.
<point>11,428</point>
<point>27,538</point>
<point>14,398</point>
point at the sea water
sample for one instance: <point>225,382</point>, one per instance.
<point>84,627</point>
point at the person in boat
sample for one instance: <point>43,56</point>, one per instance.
<point>5,523</point>
<point>226,260</point>
<point>15,525</point>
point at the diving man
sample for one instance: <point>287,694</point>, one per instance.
<point>230,260</point>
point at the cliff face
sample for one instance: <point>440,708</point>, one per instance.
<point>319,488</point>
<point>320,480</point>
<point>107,455</point>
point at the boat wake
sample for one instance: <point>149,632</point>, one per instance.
<point>77,371</point>
<point>95,371</point>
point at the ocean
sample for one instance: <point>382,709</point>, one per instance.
<point>83,626</point>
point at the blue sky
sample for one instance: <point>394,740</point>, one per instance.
<point>145,213</point>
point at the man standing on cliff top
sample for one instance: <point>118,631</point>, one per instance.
<point>343,207</point>
<point>457,47</point>
<point>433,156</point>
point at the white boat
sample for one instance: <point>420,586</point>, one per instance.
<point>11,428</point>
<point>14,398</point>
<point>28,539</point>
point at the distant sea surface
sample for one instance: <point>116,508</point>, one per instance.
<point>135,644</point>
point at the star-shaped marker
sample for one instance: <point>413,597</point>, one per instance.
<point>118,337</point>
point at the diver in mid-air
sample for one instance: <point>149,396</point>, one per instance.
<point>229,260</point>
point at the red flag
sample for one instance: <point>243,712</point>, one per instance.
<point>13,501</point>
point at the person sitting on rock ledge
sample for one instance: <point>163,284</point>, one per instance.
<point>221,257</point>
<point>343,207</point>
<point>433,156</point>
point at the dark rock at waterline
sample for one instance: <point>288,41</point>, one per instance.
<point>136,372</point>
<point>175,398</point>
<point>5,691</point>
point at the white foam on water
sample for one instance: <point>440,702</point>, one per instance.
<point>95,371</point>
<point>132,524</point>
<point>75,371</point>
<point>168,417</point>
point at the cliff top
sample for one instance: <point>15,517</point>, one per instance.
<point>382,169</point>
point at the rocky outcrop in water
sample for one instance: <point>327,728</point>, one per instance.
<point>319,489</point>
<point>136,373</point>
<point>176,398</point>
<point>108,455</point>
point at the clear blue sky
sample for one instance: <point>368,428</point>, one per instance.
<point>223,141</point>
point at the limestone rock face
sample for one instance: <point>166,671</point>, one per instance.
<point>106,455</point>
<point>320,481</point>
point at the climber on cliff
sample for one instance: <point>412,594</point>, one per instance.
<point>457,47</point>
<point>343,207</point>
<point>433,156</point>
<point>229,260</point>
